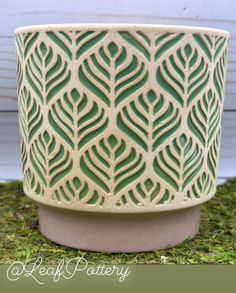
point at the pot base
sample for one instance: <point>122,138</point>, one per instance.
<point>118,232</point>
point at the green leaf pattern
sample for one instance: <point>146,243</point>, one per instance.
<point>120,119</point>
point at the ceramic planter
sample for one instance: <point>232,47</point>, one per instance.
<point>120,130</point>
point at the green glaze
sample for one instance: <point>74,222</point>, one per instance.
<point>120,119</point>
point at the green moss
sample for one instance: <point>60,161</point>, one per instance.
<point>214,244</point>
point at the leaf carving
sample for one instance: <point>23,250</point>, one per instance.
<point>138,41</point>
<point>76,190</point>
<point>112,74</point>
<point>145,193</point>
<point>178,163</point>
<point>30,115</point>
<point>25,42</point>
<point>46,72</point>
<point>77,119</point>
<point>63,41</point>
<point>183,74</point>
<point>50,160</point>
<point>219,74</point>
<point>112,165</point>
<point>149,120</point>
<point>202,186</point>
<point>166,42</point>
<point>212,156</point>
<point>211,45</point>
<point>204,118</point>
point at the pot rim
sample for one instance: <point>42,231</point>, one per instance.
<point>128,26</point>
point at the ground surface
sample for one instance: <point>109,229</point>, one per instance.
<point>215,243</point>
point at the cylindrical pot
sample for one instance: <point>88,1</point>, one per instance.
<point>120,130</point>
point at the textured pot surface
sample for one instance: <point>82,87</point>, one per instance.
<point>120,119</point>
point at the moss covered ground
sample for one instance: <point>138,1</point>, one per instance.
<point>215,243</point>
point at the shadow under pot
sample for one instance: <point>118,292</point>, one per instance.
<point>120,130</point>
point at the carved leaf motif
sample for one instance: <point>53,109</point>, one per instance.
<point>77,191</point>
<point>30,117</point>
<point>178,163</point>
<point>77,118</point>
<point>112,165</point>
<point>112,74</point>
<point>145,193</point>
<point>149,133</point>
<point>204,118</point>
<point>46,72</point>
<point>183,74</point>
<point>50,160</point>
